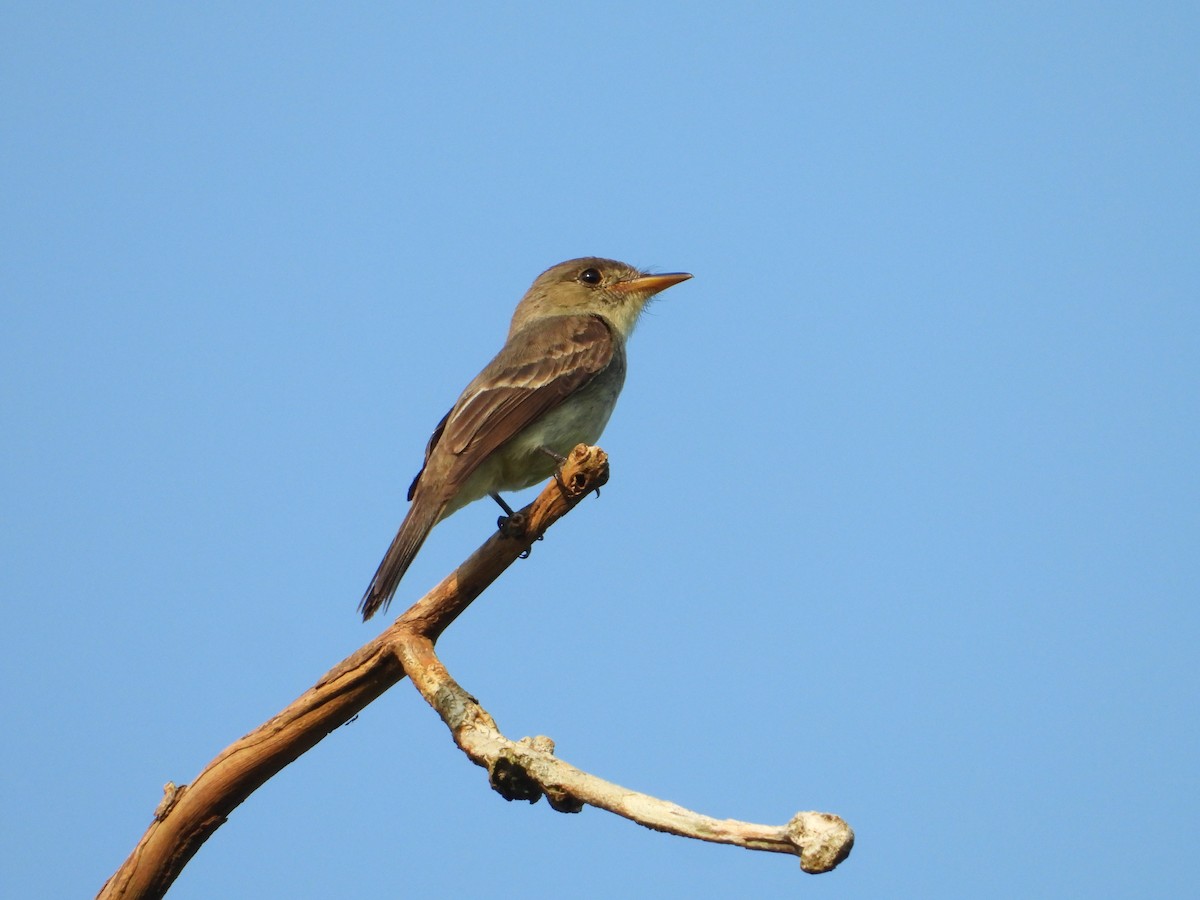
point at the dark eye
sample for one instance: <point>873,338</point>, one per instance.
<point>590,276</point>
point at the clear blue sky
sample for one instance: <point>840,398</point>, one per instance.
<point>904,518</point>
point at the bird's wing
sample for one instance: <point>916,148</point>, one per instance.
<point>433,440</point>
<point>540,367</point>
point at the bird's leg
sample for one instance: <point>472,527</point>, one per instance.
<point>510,523</point>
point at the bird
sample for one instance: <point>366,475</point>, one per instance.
<point>553,385</point>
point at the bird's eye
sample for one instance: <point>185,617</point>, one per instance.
<point>590,276</point>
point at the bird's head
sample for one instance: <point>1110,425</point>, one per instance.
<point>590,285</point>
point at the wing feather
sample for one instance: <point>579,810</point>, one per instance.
<point>538,368</point>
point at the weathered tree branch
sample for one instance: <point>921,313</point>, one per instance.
<point>188,815</point>
<point>528,769</point>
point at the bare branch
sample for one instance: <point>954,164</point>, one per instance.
<point>188,814</point>
<point>528,769</point>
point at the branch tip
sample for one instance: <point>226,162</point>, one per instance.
<point>822,840</point>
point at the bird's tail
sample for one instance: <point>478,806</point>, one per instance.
<point>422,516</point>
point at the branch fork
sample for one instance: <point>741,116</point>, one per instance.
<point>526,769</point>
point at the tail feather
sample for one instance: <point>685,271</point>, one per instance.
<point>422,516</point>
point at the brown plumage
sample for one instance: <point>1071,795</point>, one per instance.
<point>553,385</point>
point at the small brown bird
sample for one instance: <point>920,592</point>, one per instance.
<point>553,385</point>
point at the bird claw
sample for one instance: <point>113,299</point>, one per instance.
<point>529,549</point>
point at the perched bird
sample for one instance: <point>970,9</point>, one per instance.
<point>553,385</point>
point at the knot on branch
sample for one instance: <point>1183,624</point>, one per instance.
<point>511,777</point>
<point>585,470</point>
<point>822,840</point>
<point>171,795</point>
<point>511,780</point>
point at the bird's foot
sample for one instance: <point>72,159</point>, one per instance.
<point>529,549</point>
<point>516,527</point>
<point>513,525</point>
<point>571,495</point>
<point>558,479</point>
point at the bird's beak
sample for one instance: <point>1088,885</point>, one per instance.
<point>650,284</point>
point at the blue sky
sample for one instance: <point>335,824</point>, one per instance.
<point>903,519</point>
